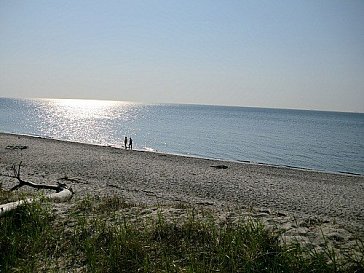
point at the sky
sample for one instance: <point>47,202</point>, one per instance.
<point>276,54</point>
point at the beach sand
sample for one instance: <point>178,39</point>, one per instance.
<point>302,203</point>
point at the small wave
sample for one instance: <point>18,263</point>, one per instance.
<point>350,173</point>
<point>148,149</point>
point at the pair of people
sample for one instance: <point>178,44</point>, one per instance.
<point>130,143</point>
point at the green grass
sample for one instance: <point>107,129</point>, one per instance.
<point>98,235</point>
<point>5,196</point>
<point>22,237</point>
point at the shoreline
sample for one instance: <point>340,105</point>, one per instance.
<point>186,178</point>
<point>151,150</point>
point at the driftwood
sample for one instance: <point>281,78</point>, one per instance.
<point>62,192</point>
<point>219,166</point>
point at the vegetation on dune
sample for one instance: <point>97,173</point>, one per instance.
<point>97,235</point>
<point>6,196</point>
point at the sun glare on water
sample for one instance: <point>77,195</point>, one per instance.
<point>91,121</point>
<point>79,103</point>
<point>83,109</point>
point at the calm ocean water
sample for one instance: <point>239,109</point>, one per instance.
<point>327,141</point>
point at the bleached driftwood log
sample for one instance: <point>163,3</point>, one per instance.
<point>63,193</point>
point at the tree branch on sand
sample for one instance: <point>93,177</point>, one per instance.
<point>62,191</point>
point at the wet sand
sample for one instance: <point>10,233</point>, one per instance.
<point>269,192</point>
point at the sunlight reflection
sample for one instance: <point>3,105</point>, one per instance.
<point>91,121</point>
<point>81,109</point>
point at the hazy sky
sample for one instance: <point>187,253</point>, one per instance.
<point>285,54</point>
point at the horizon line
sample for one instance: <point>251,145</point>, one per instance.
<point>189,103</point>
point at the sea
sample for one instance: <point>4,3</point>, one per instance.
<point>315,140</point>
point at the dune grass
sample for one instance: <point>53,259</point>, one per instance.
<point>95,237</point>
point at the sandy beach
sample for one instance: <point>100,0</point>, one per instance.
<point>300,201</point>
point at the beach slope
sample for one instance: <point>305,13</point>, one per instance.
<point>153,178</point>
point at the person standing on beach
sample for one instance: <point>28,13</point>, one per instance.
<point>125,142</point>
<point>130,143</point>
